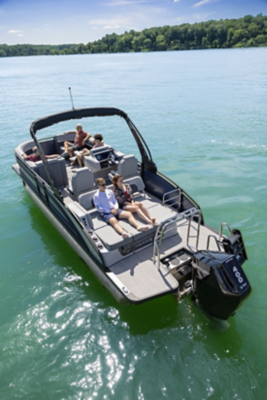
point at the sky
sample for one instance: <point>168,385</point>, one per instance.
<point>83,21</point>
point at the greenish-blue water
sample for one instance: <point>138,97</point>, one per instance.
<point>62,335</point>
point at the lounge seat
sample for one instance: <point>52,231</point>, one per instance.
<point>159,212</point>
<point>111,239</point>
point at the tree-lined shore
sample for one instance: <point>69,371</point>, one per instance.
<point>248,31</point>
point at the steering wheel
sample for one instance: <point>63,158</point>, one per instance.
<point>112,159</point>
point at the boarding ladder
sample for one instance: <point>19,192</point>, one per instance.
<point>172,199</point>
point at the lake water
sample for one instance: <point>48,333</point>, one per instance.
<point>62,335</point>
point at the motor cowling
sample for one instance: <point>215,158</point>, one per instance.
<point>219,282</point>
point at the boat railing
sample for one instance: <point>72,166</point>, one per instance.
<point>172,198</point>
<point>166,225</point>
<point>216,242</point>
<point>221,229</point>
<point>197,215</point>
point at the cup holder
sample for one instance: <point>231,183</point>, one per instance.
<point>95,239</point>
<point>100,246</point>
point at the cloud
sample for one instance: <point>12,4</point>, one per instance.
<point>15,31</point>
<point>202,3</point>
<point>202,17</point>
<point>20,35</point>
<point>176,1</point>
<point>111,26</point>
<point>112,23</point>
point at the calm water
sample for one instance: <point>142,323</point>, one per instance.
<point>62,335</point>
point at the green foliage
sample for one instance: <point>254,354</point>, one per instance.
<point>244,32</point>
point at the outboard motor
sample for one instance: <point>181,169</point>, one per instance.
<point>219,282</point>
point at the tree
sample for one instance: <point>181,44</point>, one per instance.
<point>161,44</point>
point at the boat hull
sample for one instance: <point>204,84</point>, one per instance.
<point>102,277</point>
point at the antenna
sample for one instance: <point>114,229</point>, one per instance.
<point>71,98</point>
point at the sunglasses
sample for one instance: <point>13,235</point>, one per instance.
<point>103,184</point>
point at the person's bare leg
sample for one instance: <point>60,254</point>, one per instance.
<point>70,151</point>
<point>85,152</point>
<point>128,215</point>
<point>146,212</point>
<point>138,210</point>
<point>114,222</point>
<point>80,160</point>
<point>66,146</point>
<point>74,161</point>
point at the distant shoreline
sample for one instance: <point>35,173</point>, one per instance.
<point>244,32</point>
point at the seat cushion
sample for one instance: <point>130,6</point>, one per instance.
<point>159,212</point>
<point>111,239</point>
<point>148,201</point>
<point>98,222</point>
<point>162,213</point>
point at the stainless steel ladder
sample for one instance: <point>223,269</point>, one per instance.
<point>197,214</point>
<point>163,228</point>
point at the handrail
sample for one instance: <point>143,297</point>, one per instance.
<point>221,229</point>
<point>162,229</point>
<point>216,241</point>
<point>198,228</point>
<point>173,198</point>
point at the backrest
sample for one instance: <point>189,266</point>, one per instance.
<point>86,199</point>
<point>58,171</point>
<point>60,139</point>
<point>128,166</point>
<point>82,181</point>
<point>137,182</point>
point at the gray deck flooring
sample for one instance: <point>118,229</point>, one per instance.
<point>142,277</point>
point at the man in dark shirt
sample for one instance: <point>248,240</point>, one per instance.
<point>36,156</point>
<point>79,141</point>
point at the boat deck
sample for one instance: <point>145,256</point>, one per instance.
<point>142,277</point>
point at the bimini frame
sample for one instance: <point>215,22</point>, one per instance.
<point>44,122</point>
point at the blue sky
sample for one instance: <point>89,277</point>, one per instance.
<point>82,21</point>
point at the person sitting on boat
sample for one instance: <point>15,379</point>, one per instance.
<point>36,156</point>
<point>97,142</point>
<point>125,198</point>
<point>108,207</point>
<point>79,141</point>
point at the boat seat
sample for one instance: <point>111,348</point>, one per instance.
<point>148,200</point>
<point>58,171</point>
<point>82,181</point>
<point>86,199</point>
<point>160,213</point>
<point>128,166</point>
<point>60,139</point>
<point>111,239</point>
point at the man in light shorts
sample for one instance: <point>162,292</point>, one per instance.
<point>108,207</point>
